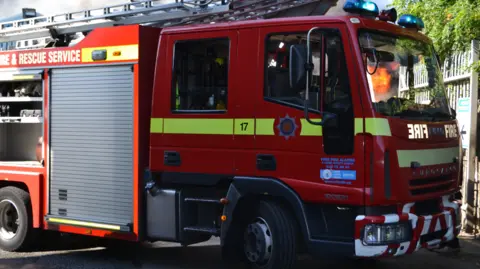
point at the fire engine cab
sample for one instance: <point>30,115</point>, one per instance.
<point>185,121</point>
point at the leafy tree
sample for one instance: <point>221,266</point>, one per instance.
<point>451,24</point>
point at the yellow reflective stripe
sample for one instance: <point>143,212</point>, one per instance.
<point>310,129</point>
<point>27,77</point>
<point>427,156</point>
<point>244,127</point>
<point>156,125</point>
<point>198,126</point>
<point>374,126</point>
<point>358,127</point>
<point>251,126</point>
<point>377,126</point>
<point>128,52</point>
<point>264,127</point>
<point>85,224</point>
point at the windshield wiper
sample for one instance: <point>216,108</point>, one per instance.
<point>423,114</point>
<point>439,114</point>
<point>408,113</point>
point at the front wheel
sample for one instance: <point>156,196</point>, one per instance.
<point>270,237</point>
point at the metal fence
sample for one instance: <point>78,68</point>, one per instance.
<point>456,77</point>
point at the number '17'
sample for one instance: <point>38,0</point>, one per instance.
<point>243,126</point>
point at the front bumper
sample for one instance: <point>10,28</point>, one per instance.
<point>426,231</point>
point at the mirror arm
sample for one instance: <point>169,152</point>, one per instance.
<point>309,64</point>
<point>325,116</point>
<point>309,68</point>
<point>307,117</point>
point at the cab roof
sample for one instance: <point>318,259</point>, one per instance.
<point>355,22</point>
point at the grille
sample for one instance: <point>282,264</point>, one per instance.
<point>422,186</point>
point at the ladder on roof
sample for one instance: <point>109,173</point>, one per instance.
<point>248,11</point>
<point>145,12</point>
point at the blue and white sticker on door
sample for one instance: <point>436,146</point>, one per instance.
<point>338,174</point>
<point>338,170</point>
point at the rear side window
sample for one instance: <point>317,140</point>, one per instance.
<point>200,75</point>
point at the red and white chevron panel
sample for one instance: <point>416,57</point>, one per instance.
<point>421,225</point>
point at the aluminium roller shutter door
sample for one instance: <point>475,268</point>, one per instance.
<point>91,144</point>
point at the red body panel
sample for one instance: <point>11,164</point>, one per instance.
<point>401,175</point>
<point>400,140</point>
<point>144,78</point>
<point>91,232</point>
<point>34,180</point>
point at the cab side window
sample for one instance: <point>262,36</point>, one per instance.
<point>200,75</point>
<point>277,84</point>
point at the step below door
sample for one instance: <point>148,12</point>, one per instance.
<point>91,144</point>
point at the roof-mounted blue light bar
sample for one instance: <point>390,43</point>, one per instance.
<point>410,21</point>
<point>361,7</point>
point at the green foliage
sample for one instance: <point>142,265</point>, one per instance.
<point>476,66</point>
<point>451,24</point>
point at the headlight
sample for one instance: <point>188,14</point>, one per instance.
<point>382,234</point>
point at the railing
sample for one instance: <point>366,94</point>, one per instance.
<point>456,77</point>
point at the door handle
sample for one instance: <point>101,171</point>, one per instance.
<point>266,162</point>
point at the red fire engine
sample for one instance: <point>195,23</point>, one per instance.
<point>280,136</point>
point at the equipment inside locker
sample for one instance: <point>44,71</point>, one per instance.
<point>21,122</point>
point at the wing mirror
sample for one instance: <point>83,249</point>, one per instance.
<point>300,75</point>
<point>297,69</point>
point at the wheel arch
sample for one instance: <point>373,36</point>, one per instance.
<point>32,184</point>
<point>16,184</point>
<point>244,192</point>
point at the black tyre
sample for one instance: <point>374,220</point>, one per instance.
<point>16,229</point>
<point>270,237</point>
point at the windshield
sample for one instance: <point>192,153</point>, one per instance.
<point>404,77</point>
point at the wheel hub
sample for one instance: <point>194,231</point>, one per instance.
<point>258,242</point>
<point>9,221</point>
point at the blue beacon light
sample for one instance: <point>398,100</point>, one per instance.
<point>410,21</point>
<point>361,7</point>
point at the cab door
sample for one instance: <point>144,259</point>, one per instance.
<point>193,101</point>
<point>305,153</point>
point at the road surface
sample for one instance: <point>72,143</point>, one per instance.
<point>74,253</point>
